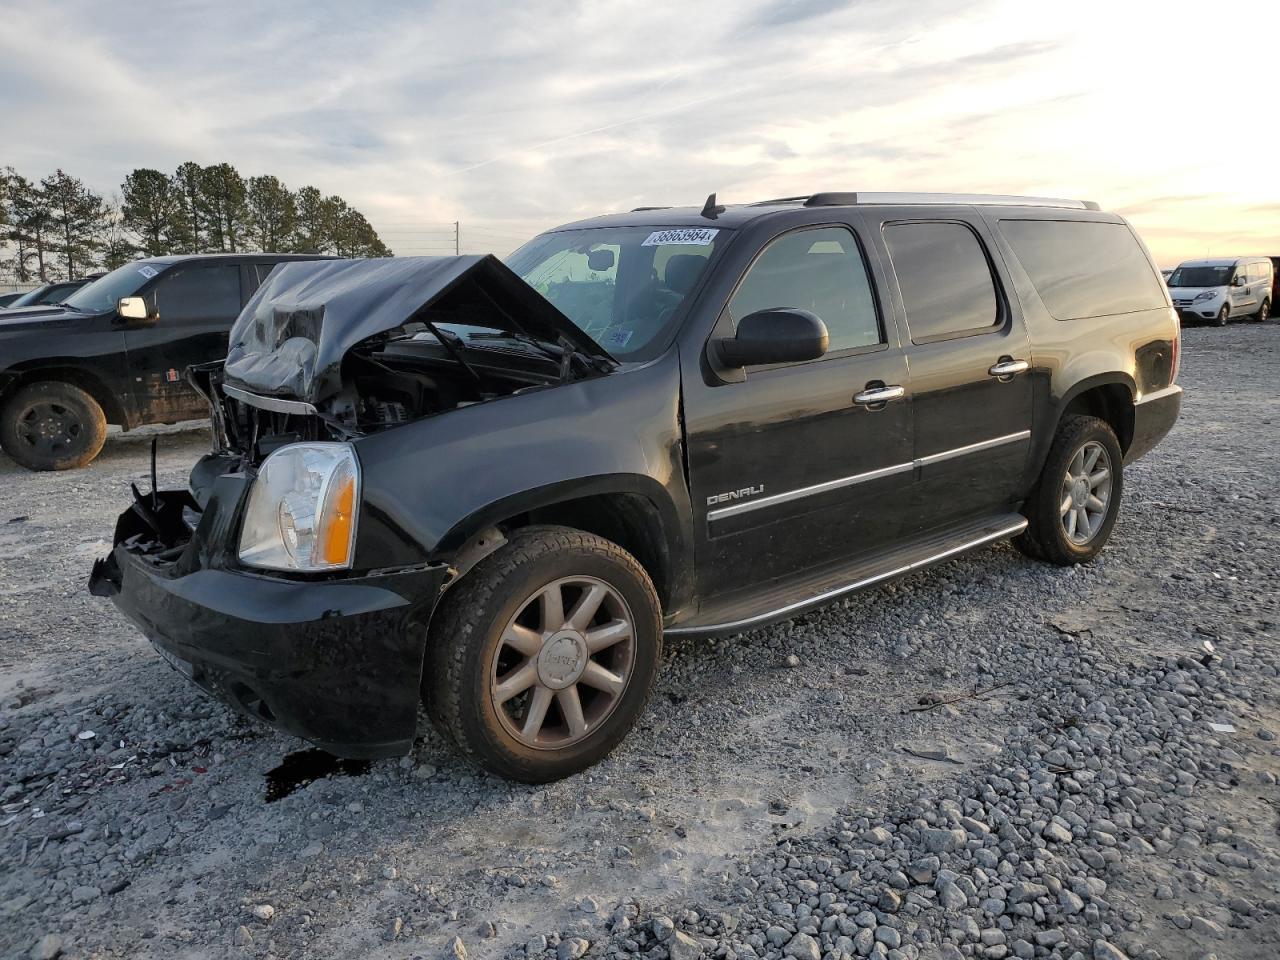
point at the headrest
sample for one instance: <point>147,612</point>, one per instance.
<point>683,270</point>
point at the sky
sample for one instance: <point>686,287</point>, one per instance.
<point>511,118</point>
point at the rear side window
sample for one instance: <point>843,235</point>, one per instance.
<point>944,277</point>
<point>820,270</point>
<point>199,293</point>
<point>1085,268</point>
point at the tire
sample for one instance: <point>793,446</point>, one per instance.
<point>52,425</point>
<point>1052,535</point>
<point>1264,312</point>
<point>470,660</point>
<point>1223,316</point>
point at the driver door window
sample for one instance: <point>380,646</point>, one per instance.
<point>199,293</point>
<point>820,270</point>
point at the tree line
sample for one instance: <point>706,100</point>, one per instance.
<point>57,227</point>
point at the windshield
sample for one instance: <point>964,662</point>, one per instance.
<point>103,294</point>
<point>1200,277</point>
<point>621,285</point>
<point>29,298</point>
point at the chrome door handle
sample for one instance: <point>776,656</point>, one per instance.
<point>1009,368</point>
<point>879,395</point>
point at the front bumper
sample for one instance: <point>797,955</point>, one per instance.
<point>1195,311</point>
<point>335,661</point>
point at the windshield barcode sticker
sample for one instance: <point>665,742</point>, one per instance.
<point>696,236</point>
<point>148,272</point>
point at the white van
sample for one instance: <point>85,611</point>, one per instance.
<point>1221,289</point>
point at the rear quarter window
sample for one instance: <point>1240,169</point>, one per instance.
<point>1084,268</point>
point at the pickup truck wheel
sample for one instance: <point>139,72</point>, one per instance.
<point>540,661</point>
<point>1077,499</point>
<point>52,425</point>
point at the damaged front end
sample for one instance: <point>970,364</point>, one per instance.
<point>333,350</point>
<point>325,353</point>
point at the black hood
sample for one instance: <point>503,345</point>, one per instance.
<point>291,337</point>
<point>35,317</point>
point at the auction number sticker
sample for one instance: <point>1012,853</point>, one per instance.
<point>148,271</point>
<point>695,236</point>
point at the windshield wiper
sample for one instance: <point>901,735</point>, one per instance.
<point>455,345</point>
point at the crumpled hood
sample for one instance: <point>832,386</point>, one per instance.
<point>290,339</point>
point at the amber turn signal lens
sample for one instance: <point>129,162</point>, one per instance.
<point>336,523</point>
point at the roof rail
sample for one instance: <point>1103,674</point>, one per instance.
<point>642,209</point>
<point>977,199</point>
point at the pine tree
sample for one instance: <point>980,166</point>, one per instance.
<point>272,214</point>
<point>313,222</point>
<point>150,209</point>
<point>355,237</point>
<point>222,202</point>
<point>79,219</point>
<point>30,228</point>
<point>186,230</point>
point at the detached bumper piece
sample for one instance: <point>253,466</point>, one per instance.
<point>334,661</point>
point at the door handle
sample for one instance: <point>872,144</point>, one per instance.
<point>878,396</point>
<point>1007,369</point>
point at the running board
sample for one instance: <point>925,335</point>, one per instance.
<point>748,609</point>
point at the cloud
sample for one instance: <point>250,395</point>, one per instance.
<point>510,118</point>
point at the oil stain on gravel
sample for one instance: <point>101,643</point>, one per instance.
<point>306,766</point>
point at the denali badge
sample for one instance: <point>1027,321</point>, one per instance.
<point>736,494</point>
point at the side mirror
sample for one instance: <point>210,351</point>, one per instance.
<point>132,308</point>
<point>1238,281</point>
<point>775,335</point>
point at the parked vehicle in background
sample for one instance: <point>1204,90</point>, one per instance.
<point>1220,289</point>
<point>114,352</point>
<point>455,489</point>
<point>50,293</point>
<point>1165,273</point>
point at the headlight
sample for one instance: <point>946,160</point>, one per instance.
<point>1207,295</point>
<point>302,509</point>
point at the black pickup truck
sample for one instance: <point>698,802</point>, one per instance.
<point>496,487</point>
<point>114,351</point>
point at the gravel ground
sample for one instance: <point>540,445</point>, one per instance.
<point>993,758</point>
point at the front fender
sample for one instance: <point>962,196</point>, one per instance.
<point>429,486</point>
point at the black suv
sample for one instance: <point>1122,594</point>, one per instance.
<point>495,488</point>
<point>114,352</point>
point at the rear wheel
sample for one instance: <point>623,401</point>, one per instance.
<point>1077,499</point>
<point>1223,316</point>
<point>540,661</point>
<point>52,425</point>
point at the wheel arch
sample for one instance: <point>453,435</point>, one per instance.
<point>1107,396</point>
<point>633,511</point>
<point>112,406</point>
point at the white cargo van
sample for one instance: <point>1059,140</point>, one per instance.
<point>1222,288</point>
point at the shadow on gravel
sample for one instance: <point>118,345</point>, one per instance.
<point>306,766</point>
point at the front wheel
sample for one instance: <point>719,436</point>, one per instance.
<point>1223,316</point>
<point>52,425</point>
<point>1264,312</point>
<point>540,661</point>
<point>1075,503</point>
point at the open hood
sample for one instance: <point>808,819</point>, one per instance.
<point>290,339</point>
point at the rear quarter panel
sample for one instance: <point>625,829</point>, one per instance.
<point>1135,350</point>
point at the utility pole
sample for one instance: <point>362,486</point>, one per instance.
<point>457,238</point>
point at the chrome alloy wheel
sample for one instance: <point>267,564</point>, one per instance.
<point>563,662</point>
<point>1086,493</point>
